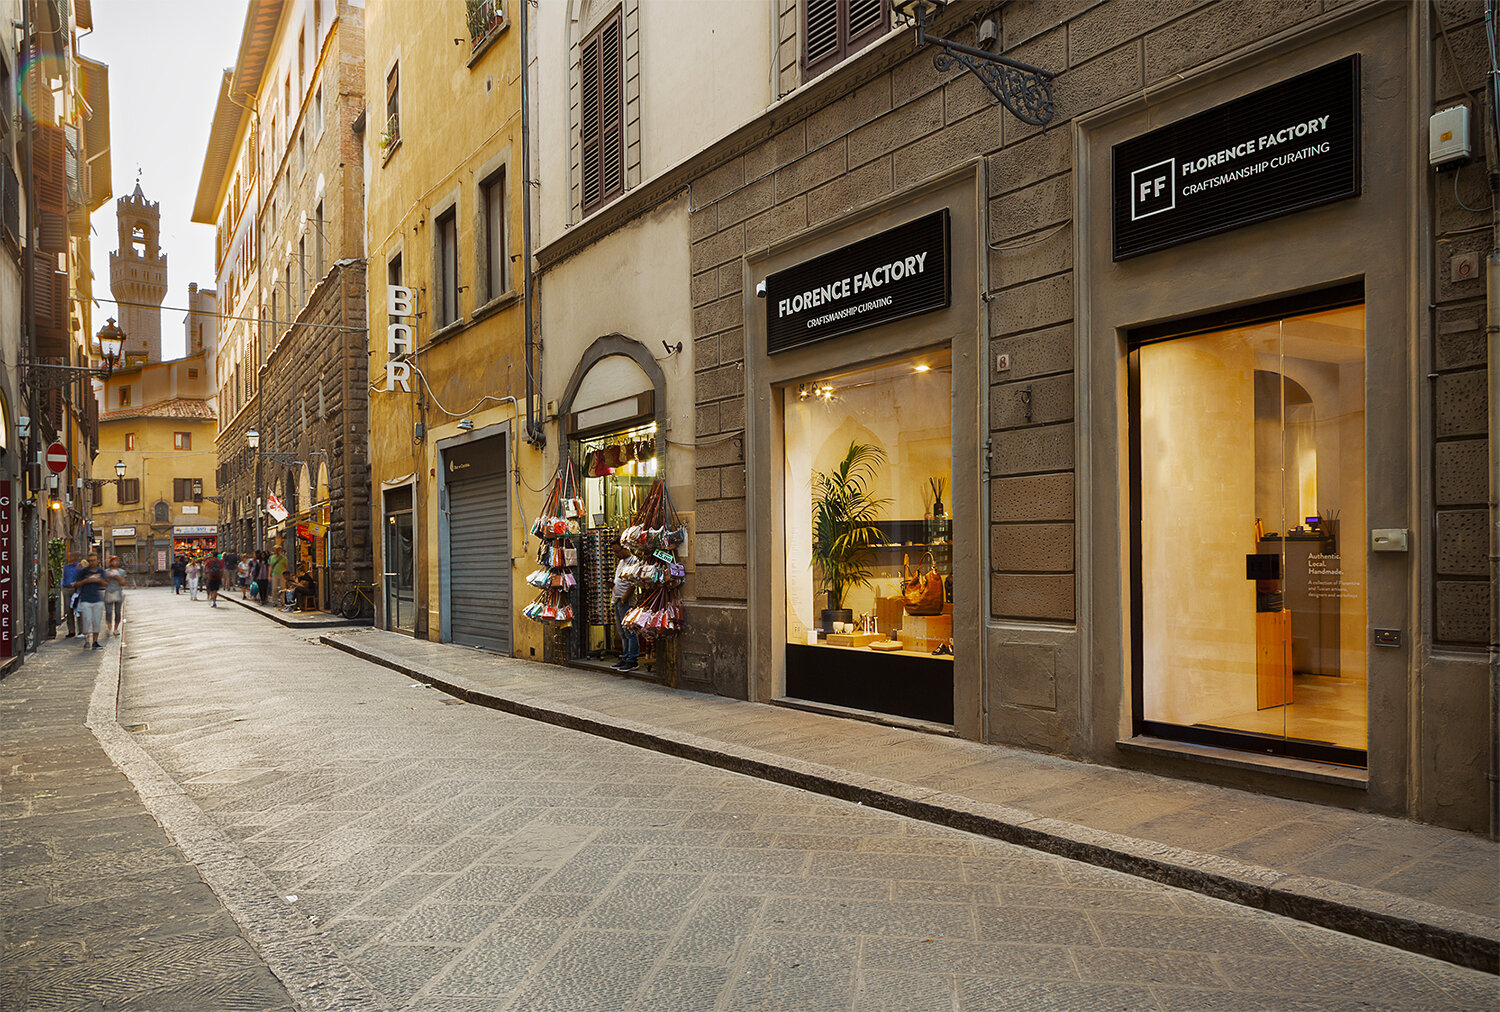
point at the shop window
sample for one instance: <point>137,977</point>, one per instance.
<point>868,468</point>
<point>834,30</point>
<point>182,440</point>
<point>601,73</point>
<point>124,397</point>
<point>492,250</point>
<point>128,491</point>
<point>445,267</point>
<point>1249,511</point>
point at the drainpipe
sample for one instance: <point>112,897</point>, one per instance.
<point>534,434</point>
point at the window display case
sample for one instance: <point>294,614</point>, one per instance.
<point>869,610</point>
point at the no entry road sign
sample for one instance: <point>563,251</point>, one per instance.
<point>57,458</point>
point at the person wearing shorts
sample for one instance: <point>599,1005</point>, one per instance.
<point>90,583</point>
<point>213,570</point>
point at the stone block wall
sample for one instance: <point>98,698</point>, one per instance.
<point>314,397</point>
<point>1460,417</point>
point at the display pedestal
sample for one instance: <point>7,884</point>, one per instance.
<point>1273,659</point>
<point>925,633</point>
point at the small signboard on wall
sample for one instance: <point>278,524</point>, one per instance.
<point>1285,148</point>
<point>898,273</point>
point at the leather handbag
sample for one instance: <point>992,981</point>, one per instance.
<point>922,592</point>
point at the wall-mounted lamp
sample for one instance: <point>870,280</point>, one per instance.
<point>1023,89</point>
<point>466,424</point>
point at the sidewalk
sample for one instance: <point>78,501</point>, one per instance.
<point>1428,890</point>
<point>99,907</point>
<point>294,619</point>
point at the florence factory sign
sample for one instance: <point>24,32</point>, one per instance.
<point>900,272</point>
<point>1285,148</point>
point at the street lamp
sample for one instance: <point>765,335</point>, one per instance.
<point>253,438</point>
<point>111,343</point>
<point>119,469</point>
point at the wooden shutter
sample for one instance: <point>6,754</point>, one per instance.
<point>128,491</point>
<point>49,288</point>
<point>602,115</point>
<point>834,30</point>
<point>49,168</point>
<point>98,493</point>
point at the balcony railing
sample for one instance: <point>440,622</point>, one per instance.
<point>486,17</point>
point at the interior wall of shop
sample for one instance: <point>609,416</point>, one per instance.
<point>1421,693</point>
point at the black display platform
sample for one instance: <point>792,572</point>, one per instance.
<point>899,684</point>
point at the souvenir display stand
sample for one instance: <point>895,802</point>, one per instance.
<point>653,538</point>
<point>557,531</point>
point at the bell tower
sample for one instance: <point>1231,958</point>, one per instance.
<point>138,275</point>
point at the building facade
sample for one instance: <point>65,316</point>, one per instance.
<point>54,171</point>
<point>454,462</point>
<point>1187,423</point>
<point>283,184</point>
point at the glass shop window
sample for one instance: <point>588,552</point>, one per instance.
<point>868,520</point>
<point>1251,507</point>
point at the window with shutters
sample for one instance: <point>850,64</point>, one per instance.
<point>128,491</point>
<point>392,135</point>
<point>124,397</point>
<point>98,496</point>
<point>601,73</point>
<point>130,440</point>
<point>834,30</point>
<point>492,239</point>
<point>445,267</point>
<point>182,490</point>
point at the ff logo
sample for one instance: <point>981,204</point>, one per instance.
<point>1153,189</point>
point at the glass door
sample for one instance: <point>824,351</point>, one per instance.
<point>1250,595</point>
<point>400,598</point>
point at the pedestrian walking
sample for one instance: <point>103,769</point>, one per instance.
<point>263,577</point>
<point>179,573</point>
<point>90,582</point>
<point>623,593</point>
<point>69,595</point>
<point>115,578</point>
<point>194,573</point>
<point>213,573</point>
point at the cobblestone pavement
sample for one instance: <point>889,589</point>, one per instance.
<point>98,908</point>
<point>462,859</point>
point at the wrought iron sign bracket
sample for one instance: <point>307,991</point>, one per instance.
<point>1023,89</point>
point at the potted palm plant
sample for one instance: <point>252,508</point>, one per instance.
<point>845,527</point>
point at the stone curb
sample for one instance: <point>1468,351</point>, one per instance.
<point>298,953</point>
<point>1454,936</point>
<point>332,622</point>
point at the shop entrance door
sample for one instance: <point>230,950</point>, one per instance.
<point>478,564</point>
<point>400,593</point>
<point>1249,457</point>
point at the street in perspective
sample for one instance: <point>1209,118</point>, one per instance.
<point>761,505</point>
<point>440,855</point>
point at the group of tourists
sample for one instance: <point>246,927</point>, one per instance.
<point>96,598</point>
<point>254,574</point>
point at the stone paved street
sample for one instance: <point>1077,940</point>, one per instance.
<point>99,908</point>
<point>458,859</point>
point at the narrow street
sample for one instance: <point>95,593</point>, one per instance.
<point>452,858</point>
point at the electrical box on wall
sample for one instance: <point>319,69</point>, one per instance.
<point>1448,137</point>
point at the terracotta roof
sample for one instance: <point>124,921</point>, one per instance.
<point>177,407</point>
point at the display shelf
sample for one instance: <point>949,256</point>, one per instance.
<point>824,645</point>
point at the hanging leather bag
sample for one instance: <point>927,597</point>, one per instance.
<point>922,592</point>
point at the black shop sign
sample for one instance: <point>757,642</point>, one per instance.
<point>1282,149</point>
<point>900,272</point>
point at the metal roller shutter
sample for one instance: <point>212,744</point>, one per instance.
<point>479,563</point>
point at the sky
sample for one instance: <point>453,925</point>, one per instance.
<point>165,58</point>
